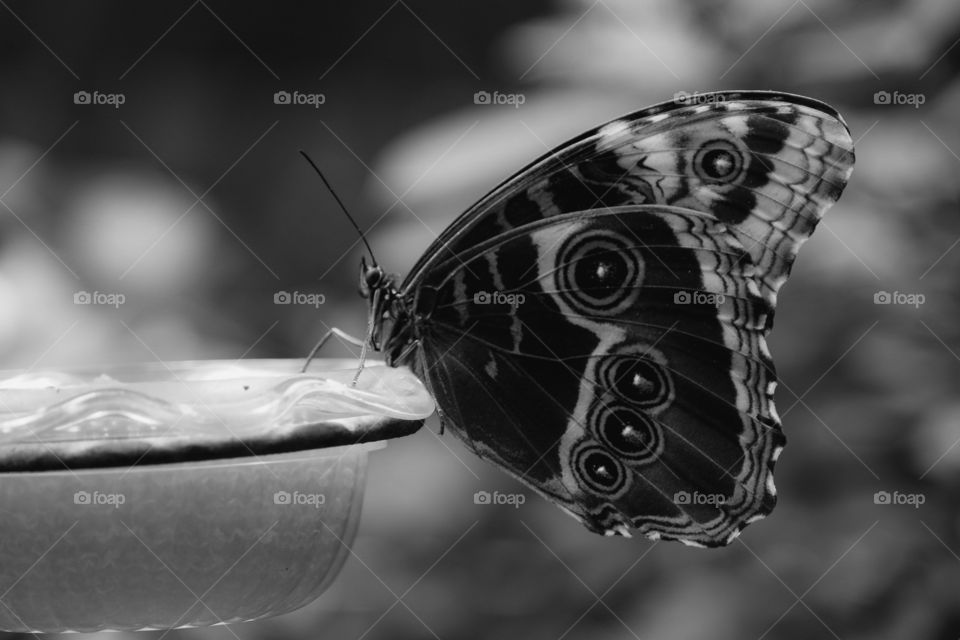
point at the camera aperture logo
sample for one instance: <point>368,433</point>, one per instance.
<point>97,98</point>
<point>99,298</point>
<point>299,297</point>
<point>899,297</point>
<point>687,98</point>
<point>297,98</point>
<point>897,98</point>
<point>896,498</point>
<point>298,498</point>
<point>698,297</point>
<point>512,499</point>
<point>499,297</point>
<point>99,498</point>
<point>496,98</point>
<point>697,498</point>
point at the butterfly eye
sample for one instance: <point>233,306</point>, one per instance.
<point>599,272</point>
<point>718,161</point>
<point>638,380</point>
<point>599,471</point>
<point>628,433</point>
<point>373,277</point>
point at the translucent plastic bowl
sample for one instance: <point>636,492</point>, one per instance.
<point>185,494</point>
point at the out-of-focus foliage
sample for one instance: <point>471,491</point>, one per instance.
<point>868,392</point>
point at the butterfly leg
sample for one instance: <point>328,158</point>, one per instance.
<point>443,421</point>
<point>346,337</point>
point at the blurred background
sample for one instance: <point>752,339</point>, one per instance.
<point>145,151</point>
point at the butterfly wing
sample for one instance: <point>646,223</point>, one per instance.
<point>767,164</point>
<point>620,370</point>
<point>697,202</point>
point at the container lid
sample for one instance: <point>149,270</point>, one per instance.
<point>123,415</point>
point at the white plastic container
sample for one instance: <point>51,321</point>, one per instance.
<point>185,494</point>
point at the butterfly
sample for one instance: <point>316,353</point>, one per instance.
<point>596,324</point>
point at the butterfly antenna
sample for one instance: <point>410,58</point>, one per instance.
<point>373,259</point>
<point>342,207</point>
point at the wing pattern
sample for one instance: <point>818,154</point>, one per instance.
<point>596,325</point>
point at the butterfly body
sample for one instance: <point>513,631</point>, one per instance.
<point>596,325</point>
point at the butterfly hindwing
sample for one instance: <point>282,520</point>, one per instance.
<point>620,368</point>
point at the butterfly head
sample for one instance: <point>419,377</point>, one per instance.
<point>371,278</point>
<point>386,303</point>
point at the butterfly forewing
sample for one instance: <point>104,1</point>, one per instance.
<point>767,164</point>
<point>595,325</point>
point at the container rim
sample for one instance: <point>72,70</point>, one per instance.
<point>278,416</point>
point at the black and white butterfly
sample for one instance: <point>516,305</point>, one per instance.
<point>596,324</point>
